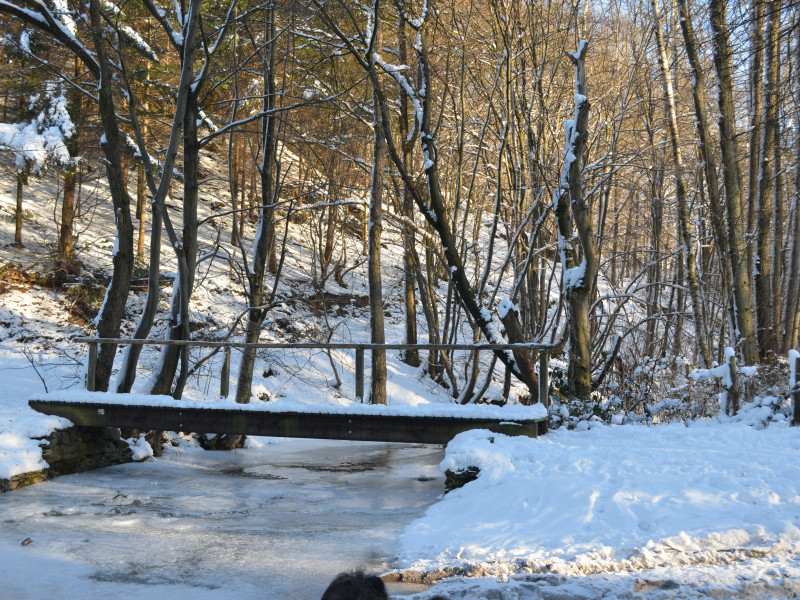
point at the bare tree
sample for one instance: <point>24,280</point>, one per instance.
<point>257,298</point>
<point>377,335</point>
<point>684,220</point>
<point>765,199</point>
<point>576,240</point>
<point>732,178</point>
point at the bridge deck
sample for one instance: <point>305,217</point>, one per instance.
<point>246,421</point>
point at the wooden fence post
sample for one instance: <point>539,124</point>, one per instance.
<point>225,376</point>
<point>91,366</point>
<point>544,382</point>
<point>733,388</point>
<point>794,355</point>
<point>359,374</point>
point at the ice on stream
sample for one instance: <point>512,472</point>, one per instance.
<point>276,522</point>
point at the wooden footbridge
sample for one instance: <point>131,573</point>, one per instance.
<point>436,424</point>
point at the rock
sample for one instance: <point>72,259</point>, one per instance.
<point>74,450</point>
<point>80,449</point>
<point>456,479</point>
<point>222,442</point>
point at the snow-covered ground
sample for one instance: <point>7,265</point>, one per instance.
<point>704,509</point>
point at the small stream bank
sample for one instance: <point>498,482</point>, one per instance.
<point>74,450</point>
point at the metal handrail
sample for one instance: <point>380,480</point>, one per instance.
<point>358,347</point>
<point>312,345</point>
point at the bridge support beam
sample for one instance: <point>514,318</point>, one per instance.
<point>243,421</point>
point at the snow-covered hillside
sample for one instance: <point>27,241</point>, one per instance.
<point>707,508</point>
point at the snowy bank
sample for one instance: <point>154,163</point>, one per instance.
<point>613,499</point>
<point>20,451</point>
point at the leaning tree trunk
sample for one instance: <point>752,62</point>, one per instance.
<point>684,219</point>
<point>186,254</point>
<point>432,206</point>
<point>509,316</point>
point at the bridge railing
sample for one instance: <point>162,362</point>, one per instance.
<point>359,349</point>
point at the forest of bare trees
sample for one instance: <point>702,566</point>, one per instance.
<point>626,174</point>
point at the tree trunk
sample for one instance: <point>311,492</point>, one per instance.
<point>656,243</point>
<point>791,306</point>
<point>410,357</point>
<point>756,80</point>
<point>765,205</point>
<point>261,250</point>
<point>233,180</point>
<point>110,317</point>
<point>22,179</point>
<point>733,193</point>
<point>377,336</point>
<point>681,195</point>
<point>161,381</point>
<point>510,318</point>
<point>66,240</point>
<point>578,253</point>
<point>777,253</point>
<point>141,211</point>
<point>128,370</point>
<point>186,253</point>
<point>185,121</point>
<point>66,250</point>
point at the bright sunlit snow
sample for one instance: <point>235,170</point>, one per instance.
<point>614,498</point>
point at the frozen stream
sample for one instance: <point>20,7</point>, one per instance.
<point>274,522</point>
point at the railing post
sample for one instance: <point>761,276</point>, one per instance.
<point>225,376</point>
<point>794,355</point>
<point>734,395</point>
<point>91,366</point>
<point>544,382</point>
<point>360,374</point>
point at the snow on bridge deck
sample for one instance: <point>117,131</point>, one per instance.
<point>431,424</point>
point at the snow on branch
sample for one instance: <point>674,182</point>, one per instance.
<point>397,73</point>
<point>138,41</point>
<point>416,23</point>
<point>31,149</point>
<point>42,140</point>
